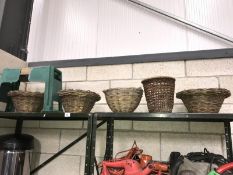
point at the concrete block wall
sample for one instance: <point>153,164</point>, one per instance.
<point>155,138</point>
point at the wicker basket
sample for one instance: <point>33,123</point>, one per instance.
<point>27,101</point>
<point>78,100</point>
<point>123,99</point>
<point>203,100</point>
<point>159,92</point>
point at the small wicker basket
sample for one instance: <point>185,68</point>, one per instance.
<point>203,100</point>
<point>123,99</point>
<point>27,101</point>
<point>78,100</point>
<point>159,92</point>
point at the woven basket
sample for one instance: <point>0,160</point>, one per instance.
<point>203,100</point>
<point>123,99</point>
<point>78,100</point>
<point>27,101</point>
<point>159,92</point>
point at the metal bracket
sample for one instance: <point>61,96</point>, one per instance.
<point>227,127</point>
<point>109,140</point>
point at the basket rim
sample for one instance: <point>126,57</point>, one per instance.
<point>204,91</point>
<point>25,93</point>
<point>79,92</point>
<point>159,77</point>
<point>139,89</point>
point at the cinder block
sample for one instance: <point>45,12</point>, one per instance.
<point>5,123</point>
<point>226,108</point>
<point>63,165</point>
<point>207,127</point>
<point>118,124</point>
<point>47,140</point>
<point>73,73</point>
<point>123,124</point>
<point>111,72</point>
<point>101,108</point>
<point>31,124</point>
<point>38,87</point>
<point>80,148</point>
<point>95,86</point>
<point>209,67</point>
<point>7,131</point>
<point>224,146</point>
<point>149,142</point>
<point>186,143</point>
<point>2,106</point>
<point>99,159</point>
<point>179,108</point>
<point>22,86</point>
<point>194,83</point>
<point>160,126</point>
<point>226,82</point>
<point>141,108</point>
<point>61,124</point>
<point>147,70</point>
<point>232,127</point>
<point>35,87</point>
<point>127,84</point>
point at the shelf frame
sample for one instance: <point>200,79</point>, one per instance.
<point>185,117</point>
<point>20,117</point>
<point>95,120</point>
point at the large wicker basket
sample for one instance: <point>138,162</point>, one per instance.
<point>159,92</point>
<point>27,101</point>
<point>203,100</point>
<point>123,99</point>
<point>78,100</point>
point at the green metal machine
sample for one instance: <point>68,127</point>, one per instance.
<point>52,77</point>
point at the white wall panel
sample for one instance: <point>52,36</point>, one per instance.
<point>213,14</point>
<point>68,30</point>
<point>126,29</point>
<point>38,29</point>
<point>73,29</point>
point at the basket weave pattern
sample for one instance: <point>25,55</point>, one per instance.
<point>203,100</point>
<point>123,99</point>
<point>159,92</point>
<point>27,101</point>
<point>78,100</point>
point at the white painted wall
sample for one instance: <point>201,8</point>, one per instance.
<point>73,29</point>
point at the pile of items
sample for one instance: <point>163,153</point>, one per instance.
<point>134,162</point>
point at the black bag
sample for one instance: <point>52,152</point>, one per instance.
<point>204,159</point>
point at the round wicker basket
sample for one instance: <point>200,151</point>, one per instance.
<point>27,101</point>
<point>123,99</point>
<point>203,100</point>
<point>78,100</point>
<point>159,92</point>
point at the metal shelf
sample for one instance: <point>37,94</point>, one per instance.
<point>45,116</point>
<point>185,117</point>
<point>203,117</point>
<point>20,117</point>
<point>93,124</point>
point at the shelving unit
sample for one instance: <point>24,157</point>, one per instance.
<point>95,120</point>
<point>194,117</point>
<point>20,117</point>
